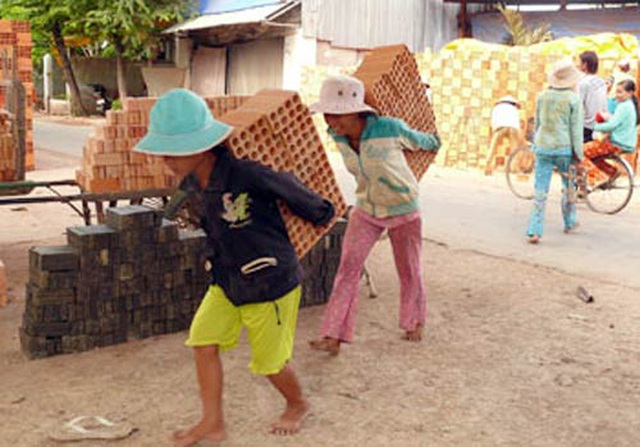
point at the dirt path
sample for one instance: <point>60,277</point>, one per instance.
<point>511,358</point>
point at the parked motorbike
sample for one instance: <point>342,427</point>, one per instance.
<point>103,101</point>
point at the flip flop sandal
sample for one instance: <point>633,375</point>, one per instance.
<point>91,427</point>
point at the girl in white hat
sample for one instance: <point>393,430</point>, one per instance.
<point>558,142</point>
<point>387,198</point>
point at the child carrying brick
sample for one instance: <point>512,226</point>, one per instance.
<point>255,268</point>
<point>387,199</point>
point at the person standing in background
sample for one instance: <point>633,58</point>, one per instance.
<point>558,143</point>
<point>592,91</point>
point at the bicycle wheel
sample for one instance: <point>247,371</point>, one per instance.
<point>520,172</point>
<point>610,195</point>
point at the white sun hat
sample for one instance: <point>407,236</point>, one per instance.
<point>564,74</point>
<point>341,95</point>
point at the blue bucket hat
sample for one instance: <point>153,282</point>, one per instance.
<point>181,124</point>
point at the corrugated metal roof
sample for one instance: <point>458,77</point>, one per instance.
<point>245,16</point>
<point>489,27</point>
<point>369,23</point>
<point>543,2</point>
<point>222,6</point>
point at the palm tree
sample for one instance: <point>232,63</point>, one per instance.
<point>519,33</point>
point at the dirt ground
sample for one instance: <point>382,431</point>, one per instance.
<point>511,358</point>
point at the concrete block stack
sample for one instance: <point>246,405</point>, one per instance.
<point>275,128</point>
<point>108,162</point>
<point>15,52</point>
<point>320,266</point>
<point>394,87</point>
<point>136,276</point>
<point>7,152</point>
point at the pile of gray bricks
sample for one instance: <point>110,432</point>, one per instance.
<point>134,277</point>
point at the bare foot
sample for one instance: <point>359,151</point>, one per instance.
<point>204,431</point>
<point>569,230</point>
<point>291,419</point>
<point>414,335</point>
<point>534,239</point>
<point>330,345</point>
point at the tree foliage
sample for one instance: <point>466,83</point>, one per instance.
<point>50,21</point>
<point>132,28</point>
<point>134,25</point>
<point>519,33</point>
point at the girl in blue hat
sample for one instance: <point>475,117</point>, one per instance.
<point>256,281</point>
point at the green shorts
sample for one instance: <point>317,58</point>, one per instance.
<point>271,327</point>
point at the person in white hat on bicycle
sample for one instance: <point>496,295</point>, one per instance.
<point>505,123</point>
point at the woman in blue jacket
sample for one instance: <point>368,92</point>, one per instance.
<point>558,143</point>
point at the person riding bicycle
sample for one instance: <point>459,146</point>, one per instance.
<point>620,129</point>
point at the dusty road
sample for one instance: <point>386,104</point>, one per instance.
<point>511,358</point>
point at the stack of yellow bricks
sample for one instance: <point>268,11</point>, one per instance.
<point>108,162</point>
<point>275,128</point>
<point>7,154</point>
<point>394,87</point>
<point>466,85</point>
<point>15,55</point>
<point>272,127</point>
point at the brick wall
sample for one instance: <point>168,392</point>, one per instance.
<point>7,150</point>
<point>15,51</point>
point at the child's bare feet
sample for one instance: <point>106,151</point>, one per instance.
<point>330,345</point>
<point>291,419</point>
<point>414,335</point>
<point>204,431</point>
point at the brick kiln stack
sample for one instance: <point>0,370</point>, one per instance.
<point>275,128</point>
<point>7,151</point>
<point>394,87</point>
<point>108,162</point>
<point>15,53</point>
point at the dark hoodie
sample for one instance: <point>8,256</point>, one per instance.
<point>253,259</point>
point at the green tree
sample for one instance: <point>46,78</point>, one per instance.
<point>519,33</point>
<point>131,27</point>
<point>49,23</point>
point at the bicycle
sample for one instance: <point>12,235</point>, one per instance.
<point>603,194</point>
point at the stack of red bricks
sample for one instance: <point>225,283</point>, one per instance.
<point>7,150</point>
<point>275,128</point>
<point>272,127</point>
<point>394,87</point>
<point>15,54</point>
<point>108,162</point>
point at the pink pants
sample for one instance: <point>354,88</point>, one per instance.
<point>363,230</point>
